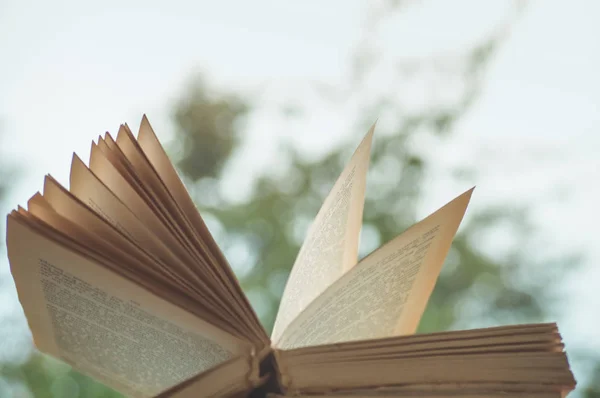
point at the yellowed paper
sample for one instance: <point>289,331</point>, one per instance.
<point>106,326</point>
<point>201,268</point>
<point>223,381</point>
<point>106,172</point>
<point>459,392</point>
<point>91,191</point>
<point>331,245</point>
<point>386,293</point>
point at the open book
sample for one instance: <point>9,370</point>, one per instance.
<point>120,278</point>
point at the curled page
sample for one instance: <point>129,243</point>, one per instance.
<point>386,293</point>
<point>331,245</point>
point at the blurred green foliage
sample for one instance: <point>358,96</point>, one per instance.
<point>206,130</point>
<point>267,226</point>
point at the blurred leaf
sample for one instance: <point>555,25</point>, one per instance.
<point>206,132</point>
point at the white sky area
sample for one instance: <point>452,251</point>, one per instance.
<point>70,70</point>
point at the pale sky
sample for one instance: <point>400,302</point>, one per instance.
<point>70,70</point>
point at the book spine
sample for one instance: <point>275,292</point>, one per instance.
<point>269,382</point>
<point>282,377</point>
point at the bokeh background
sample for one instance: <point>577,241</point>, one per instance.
<point>261,102</point>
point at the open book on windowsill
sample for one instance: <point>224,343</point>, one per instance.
<point>120,277</point>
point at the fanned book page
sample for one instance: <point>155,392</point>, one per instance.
<point>331,245</point>
<point>386,293</point>
<point>105,325</point>
<point>119,276</point>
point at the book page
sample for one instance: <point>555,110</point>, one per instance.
<point>90,190</point>
<point>155,154</point>
<point>459,390</point>
<point>225,380</point>
<point>118,174</point>
<point>106,326</point>
<point>386,293</point>
<point>331,246</point>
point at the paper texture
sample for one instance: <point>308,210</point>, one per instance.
<point>225,380</point>
<point>386,293</point>
<point>106,326</point>
<point>331,245</point>
<point>216,264</point>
